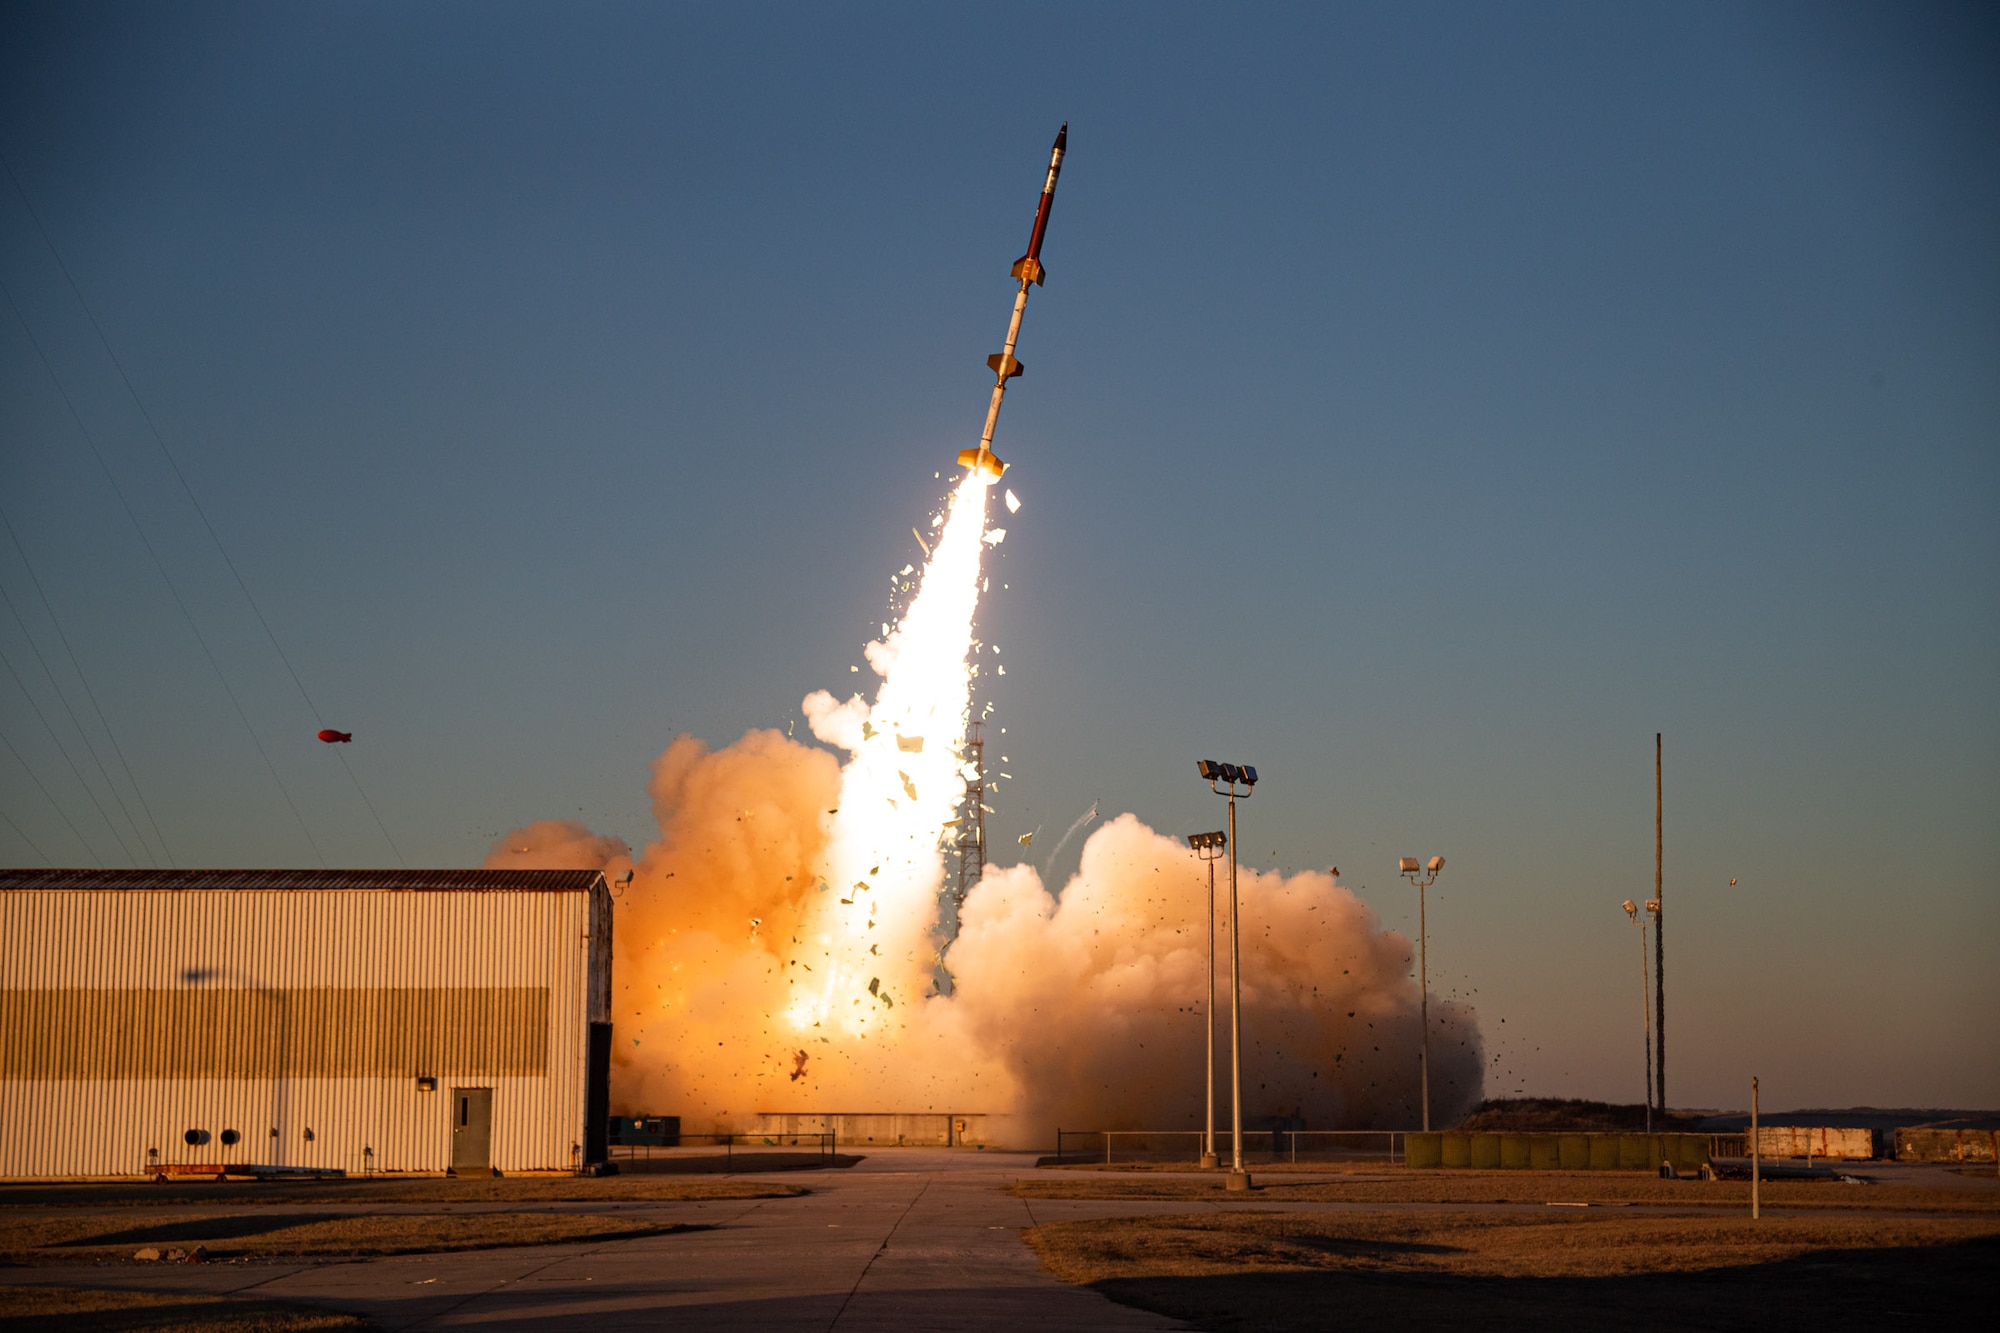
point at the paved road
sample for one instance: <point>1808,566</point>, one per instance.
<point>909,1238</point>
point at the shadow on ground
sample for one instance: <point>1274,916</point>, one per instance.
<point>742,1163</point>
<point>1831,1291</point>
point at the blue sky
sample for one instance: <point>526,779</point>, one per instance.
<point>1427,404</point>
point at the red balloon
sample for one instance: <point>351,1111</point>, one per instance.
<point>330,736</point>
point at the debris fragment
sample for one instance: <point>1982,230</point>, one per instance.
<point>921,542</point>
<point>995,536</point>
<point>910,744</point>
<point>1025,839</point>
<point>1013,503</point>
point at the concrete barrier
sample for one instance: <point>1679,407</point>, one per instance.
<point>1492,1151</point>
<point>1816,1141</point>
<point>1944,1145</point>
<point>881,1128</point>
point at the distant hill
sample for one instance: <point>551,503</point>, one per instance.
<point>1551,1115</point>
<point>1547,1115</point>
<point>1858,1117</point>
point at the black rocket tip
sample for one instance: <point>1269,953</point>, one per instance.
<point>1062,134</point>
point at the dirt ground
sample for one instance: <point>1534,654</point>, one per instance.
<point>403,1190</point>
<point>59,1310</point>
<point>1398,1186</point>
<point>1299,1270</point>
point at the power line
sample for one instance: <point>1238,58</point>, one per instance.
<point>60,812</point>
<point>89,694</point>
<point>23,834</point>
<point>174,465</point>
<point>62,749</point>
<point>160,565</point>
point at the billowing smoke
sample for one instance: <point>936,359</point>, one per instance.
<point>777,948</point>
<point>1085,1010</point>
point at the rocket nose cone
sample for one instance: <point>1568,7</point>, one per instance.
<point>1062,136</point>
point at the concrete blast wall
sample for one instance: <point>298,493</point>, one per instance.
<point>882,1128</point>
<point>1815,1141</point>
<point>1556,1152</point>
<point>1947,1145</point>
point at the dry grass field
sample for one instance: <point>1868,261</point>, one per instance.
<point>60,1310</point>
<point>1859,1258</point>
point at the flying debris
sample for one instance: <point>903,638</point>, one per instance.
<point>1028,268</point>
<point>332,737</point>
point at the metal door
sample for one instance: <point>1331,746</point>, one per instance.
<point>471,1129</point>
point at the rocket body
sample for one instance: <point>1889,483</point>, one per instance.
<point>1029,272</point>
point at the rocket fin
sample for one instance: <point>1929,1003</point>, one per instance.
<point>1029,268</point>
<point>993,465</point>
<point>1006,367</point>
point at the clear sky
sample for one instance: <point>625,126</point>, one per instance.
<point>1427,404</point>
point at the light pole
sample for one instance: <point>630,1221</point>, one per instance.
<point>1232,776</point>
<point>1645,997</point>
<point>1423,876</point>
<point>1208,846</point>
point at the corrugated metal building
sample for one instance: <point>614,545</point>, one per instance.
<point>283,1020</point>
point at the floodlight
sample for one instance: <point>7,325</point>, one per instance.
<point>1249,775</point>
<point>1437,864</point>
<point>1653,905</point>
<point>1406,865</point>
<point>1231,774</point>
<point>1209,769</point>
<point>1631,908</point>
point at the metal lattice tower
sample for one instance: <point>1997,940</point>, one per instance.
<point>972,825</point>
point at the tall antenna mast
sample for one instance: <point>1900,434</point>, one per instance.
<point>972,825</point>
<point>1659,937</point>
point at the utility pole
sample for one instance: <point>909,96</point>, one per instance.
<point>1659,943</point>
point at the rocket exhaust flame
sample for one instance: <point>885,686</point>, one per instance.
<point>898,792</point>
